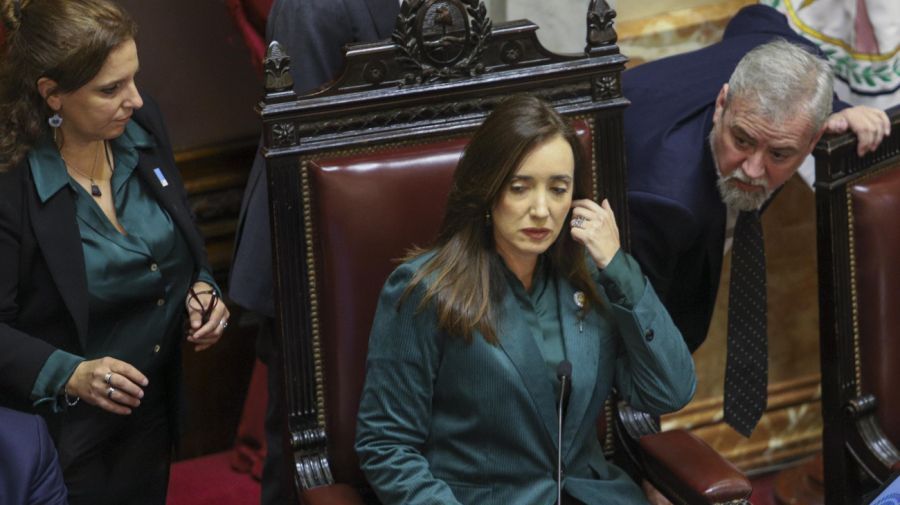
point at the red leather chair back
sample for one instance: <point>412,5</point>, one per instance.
<point>875,202</point>
<point>368,207</point>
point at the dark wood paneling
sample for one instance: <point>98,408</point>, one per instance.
<point>216,380</point>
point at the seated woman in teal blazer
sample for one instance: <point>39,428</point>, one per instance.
<point>460,398</point>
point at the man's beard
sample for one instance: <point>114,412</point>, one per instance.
<point>734,197</point>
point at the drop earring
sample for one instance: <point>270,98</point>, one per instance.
<point>55,121</point>
<point>487,218</point>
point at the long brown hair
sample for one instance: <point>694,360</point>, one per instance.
<point>465,279</point>
<point>67,41</point>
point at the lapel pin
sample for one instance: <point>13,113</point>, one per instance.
<point>579,301</point>
<point>162,178</point>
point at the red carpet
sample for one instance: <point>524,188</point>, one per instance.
<point>209,480</point>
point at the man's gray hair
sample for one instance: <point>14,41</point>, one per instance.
<point>784,80</point>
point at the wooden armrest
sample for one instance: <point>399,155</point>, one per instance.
<point>868,443</point>
<point>679,463</point>
<point>335,494</point>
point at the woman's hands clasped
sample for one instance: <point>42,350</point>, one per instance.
<point>207,316</point>
<point>594,226</point>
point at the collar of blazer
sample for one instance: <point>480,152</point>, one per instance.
<point>582,350</point>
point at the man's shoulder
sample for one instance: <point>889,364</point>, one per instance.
<point>20,430</point>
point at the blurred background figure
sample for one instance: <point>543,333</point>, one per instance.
<point>861,39</point>
<point>313,33</point>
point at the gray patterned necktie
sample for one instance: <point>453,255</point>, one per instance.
<point>746,371</point>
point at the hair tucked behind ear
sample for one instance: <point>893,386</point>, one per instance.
<point>467,286</point>
<point>67,41</point>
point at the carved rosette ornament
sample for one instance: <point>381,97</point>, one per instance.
<point>606,87</point>
<point>277,69</point>
<point>284,134</point>
<point>600,25</point>
<point>441,39</point>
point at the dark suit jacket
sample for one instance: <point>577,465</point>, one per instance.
<point>677,215</point>
<point>449,422</point>
<point>313,33</point>
<point>30,473</point>
<point>43,285</point>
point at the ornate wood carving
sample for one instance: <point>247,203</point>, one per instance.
<point>285,134</point>
<point>441,39</point>
<point>637,423</point>
<point>277,69</point>
<point>606,86</point>
<point>402,62</point>
<point>854,446</point>
<point>600,31</point>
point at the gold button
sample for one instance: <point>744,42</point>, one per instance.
<point>156,348</point>
<point>154,267</point>
<point>160,302</point>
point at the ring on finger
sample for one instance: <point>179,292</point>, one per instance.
<point>110,391</point>
<point>578,221</point>
<point>108,378</point>
<point>223,323</point>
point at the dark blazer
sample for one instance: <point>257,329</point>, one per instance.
<point>43,285</point>
<point>450,422</point>
<point>677,215</point>
<point>30,473</point>
<point>313,33</point>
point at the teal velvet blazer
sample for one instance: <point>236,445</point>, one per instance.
<point>449,422</point>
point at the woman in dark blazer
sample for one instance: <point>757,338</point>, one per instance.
<point>100,260</point>
<point>526,283</point>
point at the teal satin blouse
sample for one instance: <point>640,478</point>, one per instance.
<point>137,282</point>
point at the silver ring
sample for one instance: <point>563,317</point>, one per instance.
<point>108,378</point>
<point>578,221</point>
<point>223,323</point>
<point>109,392</point>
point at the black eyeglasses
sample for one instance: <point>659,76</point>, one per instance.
<point>195,303</point>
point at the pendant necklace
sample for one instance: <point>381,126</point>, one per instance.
<point>95,189</point>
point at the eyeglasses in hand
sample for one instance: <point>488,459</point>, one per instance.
<point>195,303</point>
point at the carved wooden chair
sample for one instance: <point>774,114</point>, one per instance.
<point>360,171</point>
<point>858,205</point>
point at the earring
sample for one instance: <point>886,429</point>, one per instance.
<point>487,218</point>
<point>55,121</point>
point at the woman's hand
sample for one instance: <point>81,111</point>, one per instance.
<point>206,326</point>
<point>108,383</point>
<point>594,226</point>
